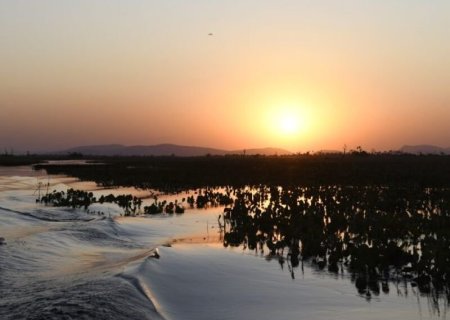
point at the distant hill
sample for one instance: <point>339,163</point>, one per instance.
<point>165,150</point>
<point>424,149</point>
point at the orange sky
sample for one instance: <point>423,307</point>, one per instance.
<point>369,73</point>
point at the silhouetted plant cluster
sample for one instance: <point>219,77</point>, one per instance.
<point>130,204</point>
<point>204,198</point>
<point>377,232</point>
<point>211,198</point>
<point>71,198</point>
<point>82,199</point>
<point>159,207</point>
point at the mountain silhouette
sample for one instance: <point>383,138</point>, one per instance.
<point>166,150</point>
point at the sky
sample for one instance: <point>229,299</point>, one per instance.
<point>296,74</point>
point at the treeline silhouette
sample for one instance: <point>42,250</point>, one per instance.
<point>181,173</point>
<point>10,160</point>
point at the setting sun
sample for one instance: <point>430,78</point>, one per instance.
<point>289,123</point>
<point>286,122</point>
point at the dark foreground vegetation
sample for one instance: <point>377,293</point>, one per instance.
<point>379,234</point>
<point>382,217</point>
<point>182,173</point>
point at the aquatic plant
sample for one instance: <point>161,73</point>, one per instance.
<point>82,199</point>
<point>377,233</point>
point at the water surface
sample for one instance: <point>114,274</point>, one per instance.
<point>61,263</point>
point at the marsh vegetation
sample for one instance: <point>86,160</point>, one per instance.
<point>381,218</point>
<point>130,204</point>
<point>175,174</point>
<point>378,234</point>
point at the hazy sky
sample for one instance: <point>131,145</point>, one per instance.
<point>303,75</point>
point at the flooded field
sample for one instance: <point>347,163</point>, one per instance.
<point>71,263</point>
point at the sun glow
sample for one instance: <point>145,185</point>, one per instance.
<point>288,121</point>
<point>289,124</point>
<point>284,118</point>
<point>286,124</point>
